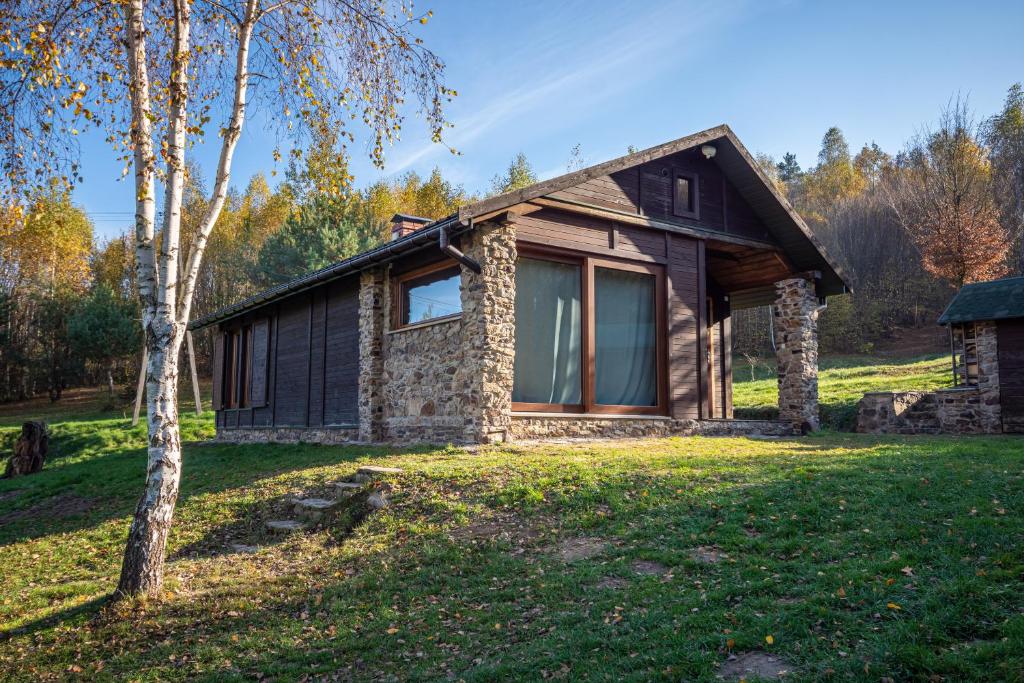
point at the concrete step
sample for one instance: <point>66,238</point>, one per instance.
<point>314,509</point>
<point>285,526</point>
<point>347,487</point>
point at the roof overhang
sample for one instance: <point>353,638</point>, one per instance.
<point>787,228</point>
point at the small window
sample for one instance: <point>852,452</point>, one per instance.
<point>685,202</point>
<point>430,296</point>
<point>237,367</point>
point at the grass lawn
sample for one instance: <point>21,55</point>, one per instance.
<point>842,381</point>
<point>848,557</point>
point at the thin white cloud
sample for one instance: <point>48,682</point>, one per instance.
<point>605,68</point>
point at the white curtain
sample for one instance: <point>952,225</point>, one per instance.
<point>625,344</point>
<point>549,333</point>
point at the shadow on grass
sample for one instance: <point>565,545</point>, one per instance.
<point>380,621</point>
<point>92,607</point>
<point>112,478</point>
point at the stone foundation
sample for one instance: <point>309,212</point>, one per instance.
<point>536,427</point>
<point>335,435</point>
<point>795,321</point>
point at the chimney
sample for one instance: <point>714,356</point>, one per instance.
<point>402,225</point>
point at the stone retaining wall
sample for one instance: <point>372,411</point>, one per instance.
<point>948,411</point>
<point>959,410</point>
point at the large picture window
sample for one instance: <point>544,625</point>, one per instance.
<point>625,338</point>
<point>549,333</point>
<point>589,336</point>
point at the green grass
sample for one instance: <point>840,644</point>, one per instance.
<point>461,577</point>
<point>842,381</point>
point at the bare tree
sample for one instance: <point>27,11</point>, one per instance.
<point>942,193</point>
<point>152,74</point>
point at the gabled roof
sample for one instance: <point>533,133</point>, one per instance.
<point>994,300</point>
<point>800,245</point>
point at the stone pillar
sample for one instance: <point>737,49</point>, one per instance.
<point>795,318</point>
<point>372,311</point>
<point>488,315</point>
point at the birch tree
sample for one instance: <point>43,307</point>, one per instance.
<point>155,76</point>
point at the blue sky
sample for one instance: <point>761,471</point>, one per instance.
<point>541,77</point>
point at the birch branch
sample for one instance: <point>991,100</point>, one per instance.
<point>231,136</point>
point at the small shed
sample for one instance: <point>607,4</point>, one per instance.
<point>986,337</point>
<point>986,334</point>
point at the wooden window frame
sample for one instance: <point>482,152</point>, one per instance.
<point>694,181</point>
<point>400,284</point>
<point>237,370</point>
<point>588,263</point>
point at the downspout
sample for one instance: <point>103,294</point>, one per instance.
<point>447,248</point>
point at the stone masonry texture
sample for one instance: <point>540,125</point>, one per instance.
<point>959,410</point>
<point>795,317</point>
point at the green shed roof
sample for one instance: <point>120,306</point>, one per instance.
<point>992,300</point>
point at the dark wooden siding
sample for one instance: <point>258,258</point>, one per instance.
<point>341,372</point>
<point>647,190</point>
<point>680,256</point>
<point>312,361</point>
<point>291,394</point>
<point>684,295</point>
<point>1010,344</point>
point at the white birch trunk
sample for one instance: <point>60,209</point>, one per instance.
<point>165,313</point>
<point>142,568</point>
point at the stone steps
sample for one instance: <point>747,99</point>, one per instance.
<point>313,510</point>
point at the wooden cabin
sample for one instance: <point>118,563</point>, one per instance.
<point>597,303</point>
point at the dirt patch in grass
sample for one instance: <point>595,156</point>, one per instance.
<point>56,507</point>
<point>612,583</point>
<point>7,495</point>
<point>649,568</point>
<point>745,665</point>
<point>787,600</point>
<point>579,548</point>
<point>706,554</point>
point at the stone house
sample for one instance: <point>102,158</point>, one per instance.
<point>596,303</point>
<point>986,337</point>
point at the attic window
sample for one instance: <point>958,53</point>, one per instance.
<point>685,198</point>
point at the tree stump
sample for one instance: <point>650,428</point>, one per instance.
<point>29,451</point>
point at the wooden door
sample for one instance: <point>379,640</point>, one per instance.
<point>1010,342</point>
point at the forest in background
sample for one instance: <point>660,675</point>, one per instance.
<point>908,226</point>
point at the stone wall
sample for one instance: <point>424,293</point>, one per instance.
<point>959,410</point>
<point>373,305</point>
<point>426,384</point>
<point>489,324</point>
<point>535,427</point>
<point>795,317</point>
<point>451,381</point>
